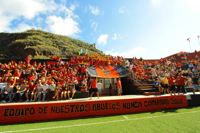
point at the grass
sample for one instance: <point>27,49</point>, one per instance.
<point>168,121</point>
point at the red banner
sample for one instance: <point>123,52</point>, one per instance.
<point>32,112</point>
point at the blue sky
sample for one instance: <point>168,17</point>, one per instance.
<point>131,28</point>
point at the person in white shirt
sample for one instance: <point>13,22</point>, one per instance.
<point>45,90</point>
<point>39,90</point>
<point>100,87</point>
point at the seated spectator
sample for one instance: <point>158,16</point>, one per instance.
<point>65,92</point>
<point>9,92</point>
<point>58,90</point>
<point>9,89</point>
<point>2,91</point>
<point>72,90</point>
<point>20,92</point>
<point>24,87</point>
<point>196,87</point>
<point>17,73</point>
<point>30,88</point>
<point>52,87</point>
<point>38,91</point>
<point>45,91</point>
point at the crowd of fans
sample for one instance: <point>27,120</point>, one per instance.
<point>35,81</point>
<point>175,74</point>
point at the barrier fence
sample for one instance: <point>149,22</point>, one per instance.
<point>33,112</point>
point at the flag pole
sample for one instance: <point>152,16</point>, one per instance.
<point>188,39</point>
<point>198,37</point>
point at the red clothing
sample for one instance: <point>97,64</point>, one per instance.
<point>94,83</point>
<point>12,81</point>
<point>31,78</point>
<point>178,64</point>
<point>171,80</point>
<point>8,74</point>
<point>62,82</point>
<point>17,74</point>
<point>31,87</point>
<point>83,70</point>
<point>79,79</point>
<point>28,59</point>
<point>49,81</point>
<point>119,85</point>
<point>180,80</point>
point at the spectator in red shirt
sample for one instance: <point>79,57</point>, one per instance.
<point>180,83</point>
<point>30,91</point>
<point>119,87</point>
<point>172,86</point>
<point>28,59</point>
<point>93,88</point>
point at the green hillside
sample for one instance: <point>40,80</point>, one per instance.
<point>41,44</point>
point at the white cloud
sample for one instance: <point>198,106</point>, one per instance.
<point>193,6</point>
<point>59,18</point>
<point>116,36</point>
<point>94,10</point>
<point>155,3</point>
<point>13,9</point>
<point>4,23</point>
<point>63,26</point>
<point>24,8</point>
<point>132,52</point>
<point>68,11</point>
<point>102,39</point>
<point>22,27</point>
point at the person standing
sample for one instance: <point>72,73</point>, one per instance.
<point>93,88</point>
<point>165,85</point>
<point>119,87</point>
<point>110,89</point>
<point>99,87</point>
<point>172,87</point>
<point>180,82</point>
